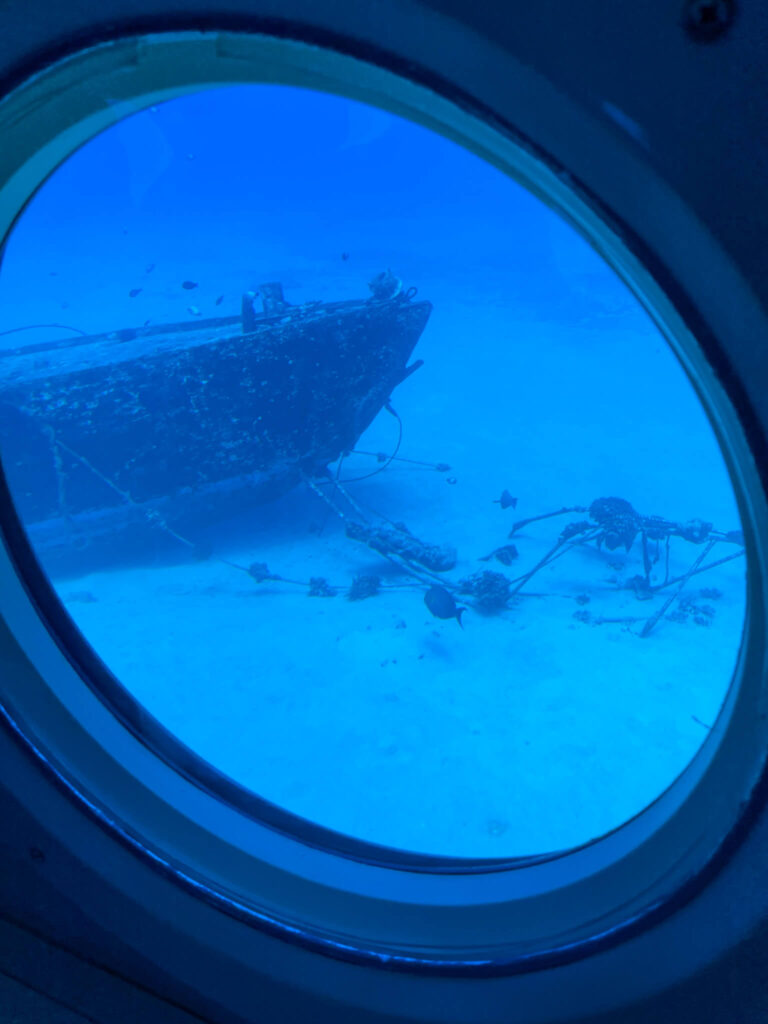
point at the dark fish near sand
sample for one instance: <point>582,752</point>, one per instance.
<point>506,500</point>
<point>189,285</point>
<point>442,605</point>
<point>505,555</point>
<point>219,300</point>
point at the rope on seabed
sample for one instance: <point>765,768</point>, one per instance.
<point>392,457</point>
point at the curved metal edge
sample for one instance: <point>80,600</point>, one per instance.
<point>753,807</point>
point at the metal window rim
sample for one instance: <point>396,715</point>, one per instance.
<point>499,922</point>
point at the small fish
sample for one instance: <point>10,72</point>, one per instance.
<point>345,256</point>
<point>505,555</point>
<point>219,301</point>
<point>150,267</point>
<point>442,605</point>
<point>194,310</point>
<point>506,500</point>
<point>134,292</point>
<point>189,285</point>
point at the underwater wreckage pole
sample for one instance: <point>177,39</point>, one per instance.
<point>400,551</point>
<point>564,543</point>
<point>646,630</point>
<point>703,568</point>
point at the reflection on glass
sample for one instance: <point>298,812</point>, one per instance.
<point>365,475</point>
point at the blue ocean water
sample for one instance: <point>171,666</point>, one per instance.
<point>571,694</point>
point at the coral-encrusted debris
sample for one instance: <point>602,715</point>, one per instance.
<point>364,586</point>
<point>491,590</point>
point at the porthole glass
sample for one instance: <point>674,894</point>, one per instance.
<point>365,475</point>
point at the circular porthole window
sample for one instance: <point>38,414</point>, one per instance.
<point>352,460</point>
<point>383,509</point>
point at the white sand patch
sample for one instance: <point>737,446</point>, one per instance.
<point>530,730</point>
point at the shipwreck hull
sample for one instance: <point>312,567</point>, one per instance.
<point>103,438</point>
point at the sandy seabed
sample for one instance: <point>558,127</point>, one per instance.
<point>530,730</point>
<point>526,731</point>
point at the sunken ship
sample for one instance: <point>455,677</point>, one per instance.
<point>104,438</point>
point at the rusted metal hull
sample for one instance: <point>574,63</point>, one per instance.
<point>104,438</point>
